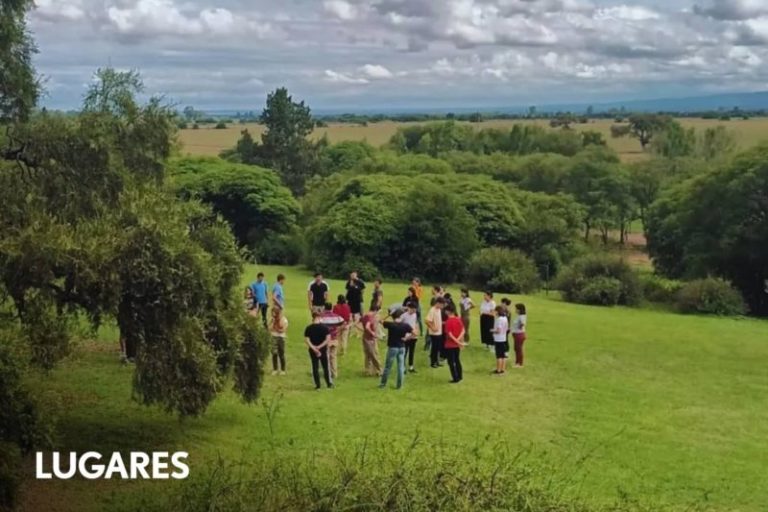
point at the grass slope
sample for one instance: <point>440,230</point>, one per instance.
<point>669,409</point>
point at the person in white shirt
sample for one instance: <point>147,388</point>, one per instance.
<point>518,333</point>
<point>467,305</point>
<point>487,308</point>
<point>411,318</point>
<point>499,332</point>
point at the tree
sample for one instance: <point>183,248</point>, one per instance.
<point>284,144</point>
<point>716,224</point>
<point>715,142</point>
<point>643,127</point>
<point>674,141</point>
<point>19,86</point>
<point>250,198</point>
<point>646,179</point>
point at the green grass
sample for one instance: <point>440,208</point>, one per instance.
<point>669,409</point>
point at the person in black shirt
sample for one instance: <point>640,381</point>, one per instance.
<point>317,337</point>
<point>355,287</point>
<point>397,334</point>
<point>317,294</point>
<point>377,297</point>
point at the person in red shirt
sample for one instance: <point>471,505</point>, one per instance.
<point>343,310</point>
<point>454,342</point>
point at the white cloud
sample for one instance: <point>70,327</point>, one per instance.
<point>333,76</point>
<point>60,10</point>
<point>341,9</point>
<point>375,71</point>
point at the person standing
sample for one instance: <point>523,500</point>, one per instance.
<point>397,333</point>
<point>418,292</point>
<point>454,342</point>
<point>260,298</point>
<point>435,330</point>
<point>410,317</point>
<point>501,345</point>
<point>317,294</point>
<point>370,323</point>
<point>377,296</point>
<point>467,305</point>
<point>316,337</point>
<point>518,333</point>
<point>334,323</point>
<point>355,288</point>
<point>278,329</point>
<point>344,311</point>
<point>487,318</point>
<point>278,297</point>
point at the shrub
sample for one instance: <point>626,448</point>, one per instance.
<point>221,125</point>
<point>660,289</point>
<point>280,249</point>
<point>592,280</point>
<point>713,296</point>
<point>503,270</point>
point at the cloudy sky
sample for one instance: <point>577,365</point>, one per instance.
<point>406,53</point>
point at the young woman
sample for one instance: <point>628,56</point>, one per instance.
<point>466,306</point>
<point>278,328</point>
<point>454,342</point>
<point>518,333</point>
<point>501,346</point>
<point>343,310</point>
<point>487,308</point>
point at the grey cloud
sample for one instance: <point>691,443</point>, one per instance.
<point>732,9</point>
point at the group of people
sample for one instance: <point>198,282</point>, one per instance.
<point>447,327</point>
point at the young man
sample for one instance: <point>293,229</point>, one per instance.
<point>355,288</point>
<point>410,317</point>
<point>317,337</point>
<point>435,331</point>
<point>418,291</point>
<point>333,322</point>
<point>377,297</point>
<point>370,323</point>
<point>317,294</point>
<point>260,299</point>
<point>454,342</point>
<point>397,333</point>
<point>278,298</point>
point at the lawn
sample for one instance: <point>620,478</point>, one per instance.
<point>669,409</point>
<point>209,141</point>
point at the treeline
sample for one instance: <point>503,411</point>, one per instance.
<point>439,193</point>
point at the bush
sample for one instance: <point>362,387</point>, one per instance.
<point>593,280</point>
<point>660,289</point>
<point>503,270</point>
<point>221,125</point>
<point>280,249</point>
<point>712,296</point>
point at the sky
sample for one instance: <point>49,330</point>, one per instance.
<point>388,54</point>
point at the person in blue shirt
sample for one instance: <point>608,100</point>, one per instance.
<point>260,300</point>
<point>278,298</point>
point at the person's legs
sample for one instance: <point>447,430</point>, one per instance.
<point>332,360</point>
<point>344,339</point>
<point>372,364</point>
<point>387,366</point>
<point>410,349</point>
<point>281,352</point>
<point>418,318</point>
<point>326,370</point>
<point>451,355</point>
<point>519,350</point>
<point>400,367</point>
<point>434,351</point>
<point>315,370</point>
<point>459,369</point>
<point>465,321</point>
<point>263,309</point>
<point>275,341</point>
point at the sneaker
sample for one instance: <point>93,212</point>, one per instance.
<point>282,372</point>
<point>518,366</point>
<point>317,388</point>
<point>412,370</point>
<point>382,386</point>
<point>434,366</point>
<point>274,372</point>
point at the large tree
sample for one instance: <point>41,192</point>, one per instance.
<point>19,88</point>
<point>642,127</point>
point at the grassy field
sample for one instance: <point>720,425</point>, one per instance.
<point>668,409</point>
<point>209,141</point>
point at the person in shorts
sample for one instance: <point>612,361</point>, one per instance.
<point>317,294</point>
<point>501,345</point>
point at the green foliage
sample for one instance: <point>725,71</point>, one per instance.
<point>19,87</point>
<point>250,198</point>
<point>503,270</point>
<point>220,126</point>
<point>345,156</point>
<point>674,141</point>
<point>601,280</point>
<point>643,127</point>
<point>711,296</point>
<point>715,224</point>
<point>660,289</point>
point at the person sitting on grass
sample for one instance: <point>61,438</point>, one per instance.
<point>397,333</point>
<point>454,342</point>
<point>518,333</point>
<point>499,331</point>
<point>317,337</point>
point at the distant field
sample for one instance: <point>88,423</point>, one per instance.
<point>209,141</point>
